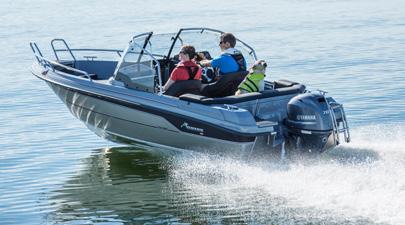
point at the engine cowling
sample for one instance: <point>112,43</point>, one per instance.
<point>310,123</point>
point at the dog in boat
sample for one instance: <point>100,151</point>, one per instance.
<point>254,81</point>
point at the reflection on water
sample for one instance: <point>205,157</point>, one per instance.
<point>121,185</point>
<point>352,49</point>
<point>116,185</point>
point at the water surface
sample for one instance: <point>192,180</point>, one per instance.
<point>53,170</point>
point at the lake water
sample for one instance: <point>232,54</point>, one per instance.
<point>53,170</point>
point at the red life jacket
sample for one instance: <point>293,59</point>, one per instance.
<point>186,71</point>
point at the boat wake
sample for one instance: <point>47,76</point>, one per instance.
<point>358,183</point>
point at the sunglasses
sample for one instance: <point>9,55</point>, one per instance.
<point>182,52</point>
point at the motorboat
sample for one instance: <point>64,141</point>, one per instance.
<point>118,94</point>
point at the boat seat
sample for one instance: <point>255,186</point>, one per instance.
<point>226,85</point>
<point>184,86</point>
<point>283,83</point>
<point>295,89</point>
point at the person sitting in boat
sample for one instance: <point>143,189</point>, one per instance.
<point>186,69</point>
<point>231,60</point>
<point>254,81</point>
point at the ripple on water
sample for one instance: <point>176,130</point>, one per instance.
<point>50,173</point>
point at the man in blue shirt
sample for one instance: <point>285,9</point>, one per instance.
<point>231,60</point>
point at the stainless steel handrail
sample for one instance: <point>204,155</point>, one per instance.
<point>335,131</point>
<point>56,50</point>
<point>345,125</point>
<point>202,29</point>
<point>47,63</point>
<point>50,63</point>
<point>119,52</point>
<point>252,51</point>
<point>36,51</point>
<point>93,50</point>
<point>332,106</point>
<point>68,68</point>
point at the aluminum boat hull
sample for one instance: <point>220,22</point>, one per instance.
<point>130,123</point>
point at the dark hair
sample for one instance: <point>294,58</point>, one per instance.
<point>228,37</point>
<point>189,50</point>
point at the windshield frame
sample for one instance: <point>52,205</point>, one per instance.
<point>148,40</point>
<point>142,52</point>
<point>252,52</point>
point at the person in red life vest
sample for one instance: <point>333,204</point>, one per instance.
<point>186,69</point>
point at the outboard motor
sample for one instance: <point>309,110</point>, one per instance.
<point>314,122</point>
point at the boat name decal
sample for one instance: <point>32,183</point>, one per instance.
<point>306,117</point>
<point>195,129</point>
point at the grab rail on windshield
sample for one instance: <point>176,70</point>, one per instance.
<point>252,52</point>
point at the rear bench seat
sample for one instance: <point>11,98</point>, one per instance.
<point>287,90</point>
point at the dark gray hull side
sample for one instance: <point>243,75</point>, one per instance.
<point>127,125</point>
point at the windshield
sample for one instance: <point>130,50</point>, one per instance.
<point>149,59</point>
<point>204,39</point>
<point>138,68</point>
<point>159,44</point>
